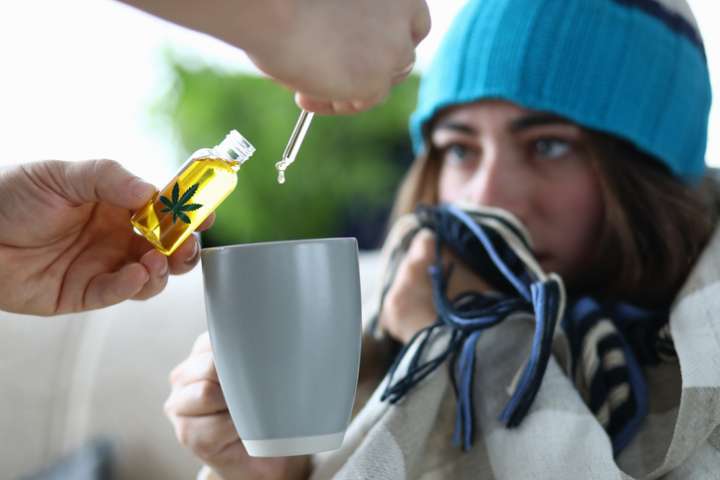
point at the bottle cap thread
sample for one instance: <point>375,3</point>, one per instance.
<point>236,147</point>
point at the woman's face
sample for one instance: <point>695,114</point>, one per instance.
<point>530,163</point>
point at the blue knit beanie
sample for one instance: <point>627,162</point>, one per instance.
<point>632,68</point>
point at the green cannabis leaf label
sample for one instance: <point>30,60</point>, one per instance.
<point>178,205</point>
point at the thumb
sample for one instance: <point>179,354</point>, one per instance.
<point>102,181</point>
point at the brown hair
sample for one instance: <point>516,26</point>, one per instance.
<point>654,229</point>
<point>655,225</point>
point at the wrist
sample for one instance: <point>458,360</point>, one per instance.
<point>246,24</point>
<point>299,468</point>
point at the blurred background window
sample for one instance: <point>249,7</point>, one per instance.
<point>97,79</point>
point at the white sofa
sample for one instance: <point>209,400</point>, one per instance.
<point>69,379</point>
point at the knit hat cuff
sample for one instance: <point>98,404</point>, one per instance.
<point>603,65</point>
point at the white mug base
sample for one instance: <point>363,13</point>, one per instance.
<point>283,447</point>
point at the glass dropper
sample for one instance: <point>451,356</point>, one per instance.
<point>294,143</point>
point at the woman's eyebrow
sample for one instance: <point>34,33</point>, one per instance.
<point>455,127</point>
<point>519,124</point>
<point>537,119</point>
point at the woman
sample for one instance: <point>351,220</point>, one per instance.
<point>587,121</point>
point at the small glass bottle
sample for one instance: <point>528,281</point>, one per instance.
<point>199,187</point>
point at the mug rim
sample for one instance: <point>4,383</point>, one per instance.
<point>221,248</point>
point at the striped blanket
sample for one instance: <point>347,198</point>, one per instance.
<point>560,437</point>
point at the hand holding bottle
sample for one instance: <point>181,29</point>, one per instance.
<point>197,409</point>
<point>66,243</point>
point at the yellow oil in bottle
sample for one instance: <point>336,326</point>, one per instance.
<point>199,187</point>
<point>191,196</point>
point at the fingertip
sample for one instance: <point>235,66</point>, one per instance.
<point>299,99</point>
<point>207,224</point>
<point>315,105</point>
<point>344,107</point>
<point>423,246</point>
<point>109,181</point>
<point>186,256</point>
<point>141,190</point>
<point>421,24</point>
<point>404,73</point>
<point>202,343</point>
<point>137,275</point>
<point>155,262</point>
<point>367,104</point>
<point>158,269</point>
<point>424,237</point>
<point>192,257</point>
<point>304,102</point>
<point>338,107</point>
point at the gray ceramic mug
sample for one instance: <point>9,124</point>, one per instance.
<point>285,326</point>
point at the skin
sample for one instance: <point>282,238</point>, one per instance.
<point>494,154</point>
<point>67,244</point>
<point>535,166</point>
<point>340,56</point>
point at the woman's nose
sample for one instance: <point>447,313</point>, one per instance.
<point>500,182</point>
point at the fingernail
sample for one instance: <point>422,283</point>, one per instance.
<point>359,104</point>
<point>146,276</point>
<point>403,74</point>
<point>164,268</point>
<point>156,263</point>
<point>195,253</point>
<point>142,189</point>
<point>408,68</point>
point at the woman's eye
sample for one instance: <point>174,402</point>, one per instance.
<point>457,153</point>
<point>551,147</point>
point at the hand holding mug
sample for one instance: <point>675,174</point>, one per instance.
<point>196,407</point>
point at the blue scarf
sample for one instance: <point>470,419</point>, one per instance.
<point>608,342</point>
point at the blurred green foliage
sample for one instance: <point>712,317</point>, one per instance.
<point>342,182</point>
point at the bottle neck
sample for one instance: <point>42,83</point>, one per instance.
<point>234,148</point>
